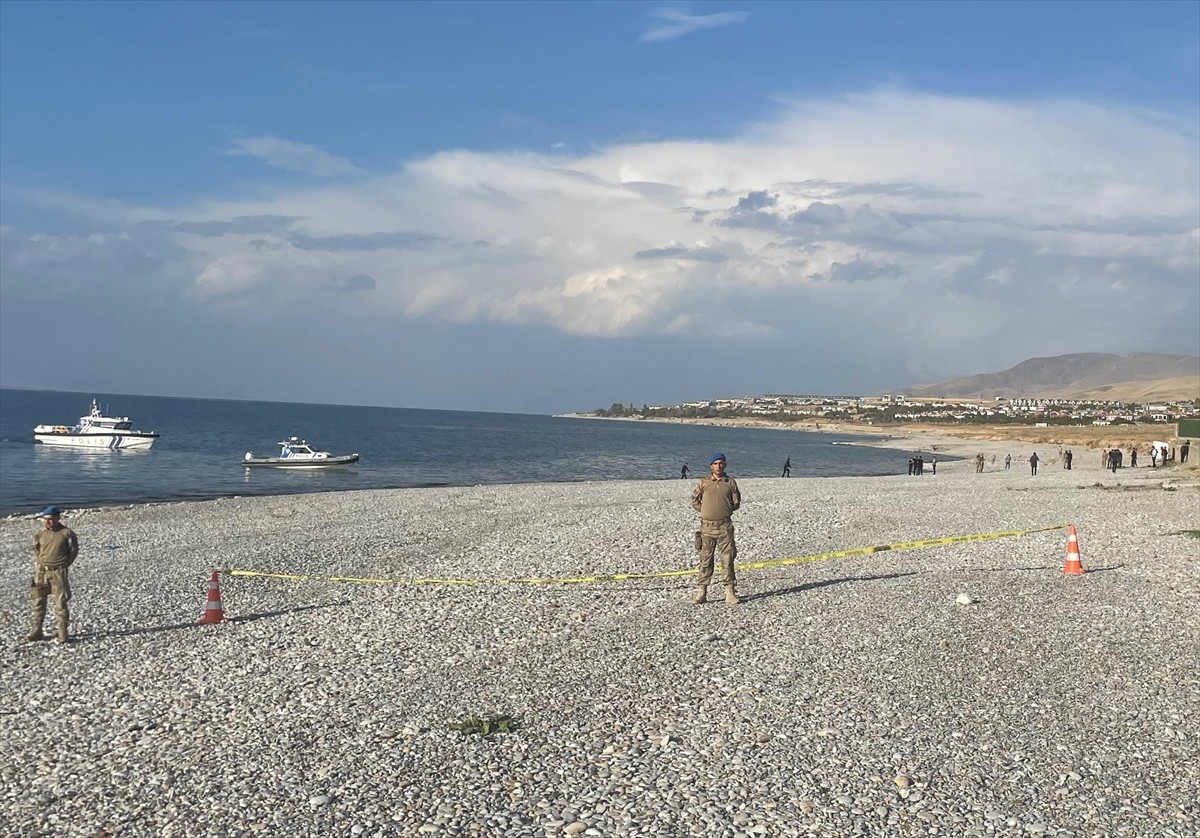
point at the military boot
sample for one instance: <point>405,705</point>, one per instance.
<point>63,622</point>
<point>701,596</point>
<point>35,631</point>
<point>731,597</point>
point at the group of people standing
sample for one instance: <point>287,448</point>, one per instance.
<point>916,465</point>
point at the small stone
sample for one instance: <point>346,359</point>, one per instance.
<point>902,781</point>
<point>966,599</point>
<point>320,800</point>
<point>575,828</point>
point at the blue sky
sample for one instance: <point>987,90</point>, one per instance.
<point>541,207</point>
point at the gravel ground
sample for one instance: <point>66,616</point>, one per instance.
<point>846,697</point>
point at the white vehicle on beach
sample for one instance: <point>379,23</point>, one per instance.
<point>96,431</point>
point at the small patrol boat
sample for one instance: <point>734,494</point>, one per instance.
<point>96,431</point>
<point>296,453</point>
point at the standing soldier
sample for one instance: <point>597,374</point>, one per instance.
<point>716,498</point>
<point>1033,461</point>
<point>787,467</point>
<point>55,548</point>
<point>683,472</point>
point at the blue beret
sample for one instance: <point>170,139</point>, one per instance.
<point>716,457</point>
<point>50,510</point>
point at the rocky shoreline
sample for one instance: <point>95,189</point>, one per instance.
<point>916,435</point>
<point>854,696</point>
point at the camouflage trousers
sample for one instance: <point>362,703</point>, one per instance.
<point>50,582</point>
<point>714,536</point>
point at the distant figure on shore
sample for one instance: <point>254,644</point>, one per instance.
<point>55,549</point>
<point>993,459</point>
<point>1033,461</point>
<point>683,472</point>
<point>979,463</point>
<point>716,498</point>
<point>1007,461</point>
<point>933,464</point>
<point>1113,456</point>
<point>1133,458</point>
<point>787,467</point>
<point>1153,456</point>
<point>912,464</point>
<point>1067,457</point>
<point>1184,449</point>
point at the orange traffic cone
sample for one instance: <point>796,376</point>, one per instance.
<point>213,611</point>
<point>1073,565</point>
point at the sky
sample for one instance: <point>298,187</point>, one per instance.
<point>550,207</point>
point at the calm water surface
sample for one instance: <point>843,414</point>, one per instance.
<point>203,441</point>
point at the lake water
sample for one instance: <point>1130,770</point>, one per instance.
<point>203,441</point>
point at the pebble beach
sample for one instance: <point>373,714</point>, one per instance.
<point>970,689</point>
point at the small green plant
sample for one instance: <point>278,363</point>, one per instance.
<point>1192,533</point>
<point>476,726</point>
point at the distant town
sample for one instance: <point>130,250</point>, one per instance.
<point>897,409</point>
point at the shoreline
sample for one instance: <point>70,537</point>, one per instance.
<point>905,439</point>
<point>1093,437</point>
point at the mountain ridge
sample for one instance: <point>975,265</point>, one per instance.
<point>1139,377</point>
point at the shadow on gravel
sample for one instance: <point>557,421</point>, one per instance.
<point>1043,567</point>
<point>810,586</point>
<point>245,618</point>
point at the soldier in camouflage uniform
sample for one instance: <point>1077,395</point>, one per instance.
<point>716,498</point>
<point>55,548</point>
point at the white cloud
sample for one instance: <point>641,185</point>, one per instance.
<point>676,23</point>
<point>939,230</point>
<point>292,156</point>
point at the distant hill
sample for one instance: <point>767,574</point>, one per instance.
<point>1141,377</point>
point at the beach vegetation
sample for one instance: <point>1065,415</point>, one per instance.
<point>480,726</point>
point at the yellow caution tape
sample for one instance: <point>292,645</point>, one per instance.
<point>664,574</point>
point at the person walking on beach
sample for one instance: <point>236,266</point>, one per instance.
<point>716,498</point>
<point>1007,461</point>
<point>1153,456</point>
<point>1033,461</point>
<point>787,467</point>
<point>55,548</point>
<point>1133,458</point>
<point>683,472</point>
<point>933,463</point>
<point>1183,450</point>
<point>1112,459</point>
<point>1068,457</point>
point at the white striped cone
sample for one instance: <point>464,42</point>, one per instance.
<point>1074,565</point>
<point>214,612</point>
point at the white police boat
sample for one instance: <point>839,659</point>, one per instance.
<point>296,453</point>
<point>96,431</point>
